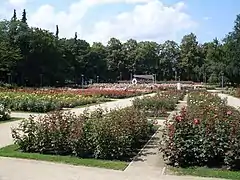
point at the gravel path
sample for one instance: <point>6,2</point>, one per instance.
<point>20,169</point>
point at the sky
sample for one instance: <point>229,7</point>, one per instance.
<point>152,20</point>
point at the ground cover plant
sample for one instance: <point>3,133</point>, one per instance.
<point>159,104</point>
<point>206,133</point>
<point>116,135</point>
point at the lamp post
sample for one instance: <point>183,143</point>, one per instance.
<point>97,79</point>
<point>131,76</point>
<point>9,78</point>
<point>154,78</point>
<point>82,80</point>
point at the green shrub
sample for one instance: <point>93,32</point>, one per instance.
<point>121,129</point>
<point>206,133</point>
<point>112,135</point>
<point>50,134</point>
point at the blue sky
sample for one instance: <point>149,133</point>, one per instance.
<point>98,22</point>
<point>222,14</point>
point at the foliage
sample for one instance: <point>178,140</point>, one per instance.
<point>158,105</point>
<point>30,56</point>
<point>190,59</point>
<point>115,135</point>
<point>206,133</point>
<point>4,113</point>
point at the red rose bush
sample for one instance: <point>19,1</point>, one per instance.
<point>205,133</point>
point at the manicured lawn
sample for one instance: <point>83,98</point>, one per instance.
<point>207,172</point>
<point>10,120</point>
<point>12,151</point>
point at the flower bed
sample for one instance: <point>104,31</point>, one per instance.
<point>40,102</point>
<point>206,133</point>
<point>163,86</point>
<point>159,105</point>
<point>115,135</point>
<point>96,92</point>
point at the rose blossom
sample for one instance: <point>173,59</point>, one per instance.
<point>229,112</point>
<point>196,121</point>
<point>178,118</point>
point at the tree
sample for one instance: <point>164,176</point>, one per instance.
<point>115,59</point>
<point>57,31</point>
<point>24,17</point>
<point>14,18</point>
<point>130,50</point>
<point>9,57</point>
<point>214,63</point>
<point>190,59</point>
<point>27,53</point>
<point>96,62</point>
<point>169,55</point>
<point>76,36</point>
<point>147,57</point>
<point>232,51</point>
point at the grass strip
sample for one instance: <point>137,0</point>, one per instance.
<point>14,152</point>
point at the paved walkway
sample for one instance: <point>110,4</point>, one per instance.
<point>145,166</point>
<point>17,169</point>
<point>231,101</point>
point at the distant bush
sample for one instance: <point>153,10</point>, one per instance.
<point>114,135</point>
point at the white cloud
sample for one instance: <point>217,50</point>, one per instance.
<point>148,20</point>
<point>17,3</point>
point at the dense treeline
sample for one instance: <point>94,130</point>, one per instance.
<point>34,57</point>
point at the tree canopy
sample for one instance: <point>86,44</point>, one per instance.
<point>32,56</point>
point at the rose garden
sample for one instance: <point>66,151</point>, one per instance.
<point>200,137</point>
<point>121,110</point>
